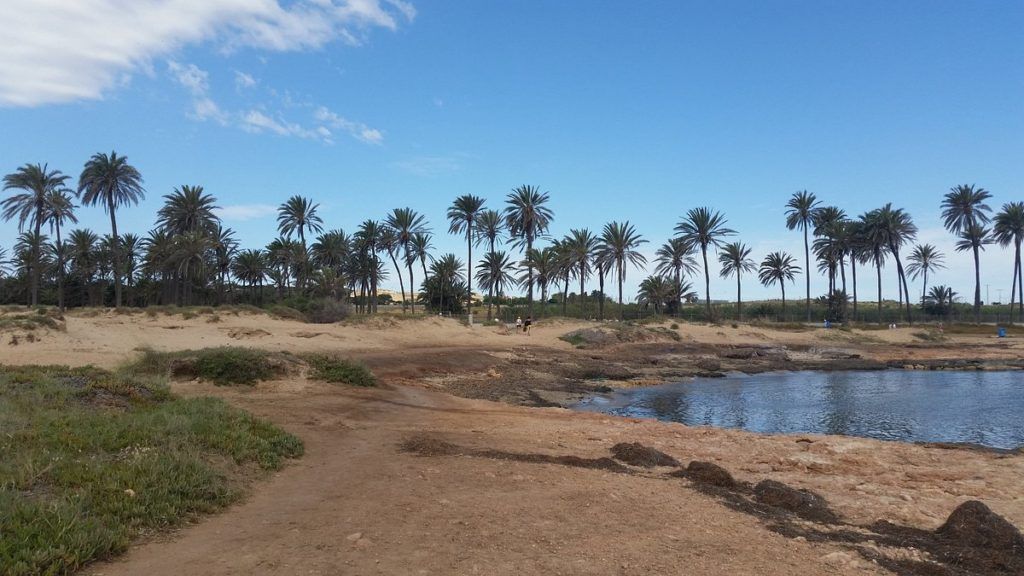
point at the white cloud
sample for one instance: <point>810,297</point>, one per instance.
<point>197,82</point>
<point>56,51</point>
<point>357,130</point>
<point>243,212</point>
<point>243,80</point>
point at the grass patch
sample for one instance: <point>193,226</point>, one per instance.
<point>90,460</point>
<point>930,336</point>
<point>339,370</point>
<point>981,329</point>
<point>574,338</point>
<point>784,326</point>
<point>224,366</point>
<point>29,321</point>
<point>286,313</point>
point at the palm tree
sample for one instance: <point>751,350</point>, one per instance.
<point>1009,229</point>
<point>494,272</point>
<point>963,207</point>
<point>421,247</point>
<point>676,257</point>
<point>131,249</point>
<point>84,260</point>
<point>490,225</point>
<point>619,244</point>
<point>579,247</point>
<point>527,218</point>
<point>462,214</point>
<point>224,248</point>
<point>704,227</point>
<point>975,237</point>
<point>896,228</point>
<point>924,259</point>
<point>545,265</point>
<point>735,259</point>
<point>188,209</point>
<point>191,255</point>
<point>389,243</point>
<point>368,243</point>
<point>111,181</point>
<point>298,215</point>
<point>250,267</point>
<point>29,253</point>
<point>36,182</point>
<point>655,291</point>
<point>830,227</point>
<point>778,267</point>
<point>800,212</point>
<point>406,223</point>
<point>59,210</point>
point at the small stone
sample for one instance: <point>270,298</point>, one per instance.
<point>129,492</point>
<point>354,537</point>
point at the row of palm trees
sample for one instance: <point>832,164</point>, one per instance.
<point>189,255</point>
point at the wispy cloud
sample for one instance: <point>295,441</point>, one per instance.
<point>243,212</point>
<point>56,52</point>
<point>358,130</point>
<point>243,80</point>
<point>196,81</point>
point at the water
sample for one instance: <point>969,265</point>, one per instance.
<point>985,408</point>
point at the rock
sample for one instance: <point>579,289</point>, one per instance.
<point>637,454</point>
<point>975,524</point>
<point>803,503</point>
<point>710,474</point>
<point>354,537</point>
<point>837,559</point>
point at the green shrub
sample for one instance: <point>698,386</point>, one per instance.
<point>674,326</point>
<point>90,460</point>
<point>326,311</point>
<point>286,313</point>
<point>222,366</point>
<point>338,370</point>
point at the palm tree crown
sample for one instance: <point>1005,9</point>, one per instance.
<point>704,227</point>
<point>527,218</point>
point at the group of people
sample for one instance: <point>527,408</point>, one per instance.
<point>524,326</point>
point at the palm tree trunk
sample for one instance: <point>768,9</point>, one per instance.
<point>924,288</point>
<point>401,283</point>
<point>739,301</point>
<point>977,286</point>
<point>60,271</point>
<point>1020,285</point>
<point>807,270</point>
<point>1013,287</point>
<point>707,284</point>
<point>116,255</point>
<point>853,271</point>
<point>620,273</point>
<point>905,295</point>
<point>529,277</point>
<point>469,270</point>
<point>600,283</point>
<point>565,295</point>
<point>583,302</point>
<point>878,266</point>
<point>412,284</point>
<point>783,284</point>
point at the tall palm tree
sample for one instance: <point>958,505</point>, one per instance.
<point>874,244</point>
<point>298,215</point>
<point>84,260</point>
<point>59,210</point>
<point>676,257</point>
<point>1009,229</point>
<point>897,228</point>
<point>619,243</point>
<point>111,181</point>
<point>131,250</point>
<point>975,237</point>
<point>778,268</point>
<point>490,225</point>
<point>188,209</point>
<point>965,206</point>
<point>735,260</point>
<point>925,258</point>
<point>368,242</point>
<point>580,245</point>
<point>704,227</point>
<point>545,265</point>
<point>389,244</point>
<point>36,183</point>
<point>655,291</point>
<point>250,267</point>
<point>30,253</point>
<point>527,218</point>
<point>800,212</point>
<point>462,215</point>
<point>224,248</point>
<point>830,227</point>
<point>495,272</point>
<point>421,247</point>
<point>191,255</point>
<point>406,223</point>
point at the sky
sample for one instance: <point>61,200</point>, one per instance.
<point>632,111</point>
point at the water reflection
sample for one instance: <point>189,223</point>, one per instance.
<point>978,407</point>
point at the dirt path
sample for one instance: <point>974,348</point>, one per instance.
<point>355,504</point>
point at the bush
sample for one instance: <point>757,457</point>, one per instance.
<point>338,370</point>
<point>286,313</point>
<point>222,366</point>
<point>90,460</point>
<point>326,311</point>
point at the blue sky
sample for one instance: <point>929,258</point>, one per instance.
<point>621,110</point>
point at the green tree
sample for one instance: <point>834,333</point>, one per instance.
<point>1008,229</point>
<point>462,215</point>
<point>59,210</point>
<point>704,227</point>
<point>964,207</point>
<point>298,215</point>
<point>495,273</point>
<point>778,268</point>
<point>36,183</point>
<point>250,267</point>
<point>800,211</point>
<point>923,259</point>
<point>619,243</point>
<point>406,223</point>
<point>579,246</point>
<point>527,218</point>
<point>109,180</point>
<point>675,257</point>
<point>735,260</point>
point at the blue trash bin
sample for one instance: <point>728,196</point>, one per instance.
<point>1002,332</point>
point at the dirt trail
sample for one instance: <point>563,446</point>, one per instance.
<point>355,504</point>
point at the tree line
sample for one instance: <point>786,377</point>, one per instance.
<point>190,257</point>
